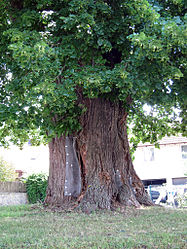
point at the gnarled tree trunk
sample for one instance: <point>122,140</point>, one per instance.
<point>94,169</point>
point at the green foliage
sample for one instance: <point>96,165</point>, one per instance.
<point>36,185</point>
<point>182,200</point>
<point>7,171</point>
<point>51,51</point>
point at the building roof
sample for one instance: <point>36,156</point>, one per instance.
<point>168,140</point>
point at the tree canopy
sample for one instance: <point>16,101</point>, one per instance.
<point>133,52</point>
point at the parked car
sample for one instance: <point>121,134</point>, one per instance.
<point>157,196</point>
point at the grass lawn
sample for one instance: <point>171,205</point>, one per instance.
<point>33,227</point>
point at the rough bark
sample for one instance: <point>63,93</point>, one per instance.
<point>94,169</point>
<point>57,159</point>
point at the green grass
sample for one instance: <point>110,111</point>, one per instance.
<point>33,227</point>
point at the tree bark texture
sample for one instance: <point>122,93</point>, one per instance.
<point>93,169</point>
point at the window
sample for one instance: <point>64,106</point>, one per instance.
<point>179,181</point>
<point>184,151</point>
<point>149,154</point>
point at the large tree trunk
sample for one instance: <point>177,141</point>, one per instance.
<point>94,168</point>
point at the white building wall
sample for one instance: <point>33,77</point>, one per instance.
<point>167,163</point>
<point>30,159</point>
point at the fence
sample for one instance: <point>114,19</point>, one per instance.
<point>12,193</point>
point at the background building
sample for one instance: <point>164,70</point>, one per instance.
<point>165,165</point>
<point>30,159</point>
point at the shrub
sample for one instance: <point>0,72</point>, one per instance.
<point>7,171</point>
<point>182,200</point>
<point>36,185</point>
